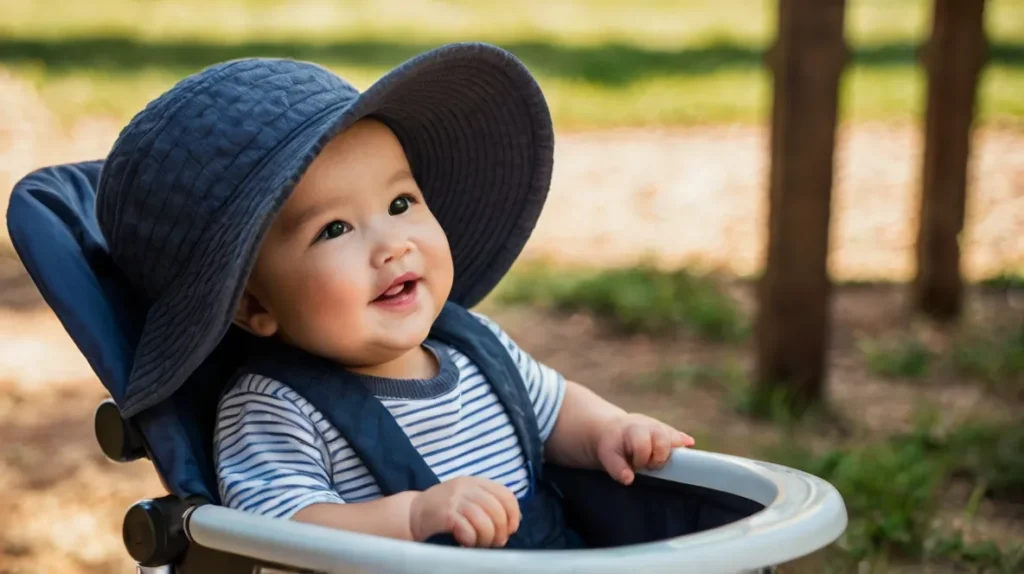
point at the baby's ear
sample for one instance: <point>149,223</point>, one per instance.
<point>253,317</point>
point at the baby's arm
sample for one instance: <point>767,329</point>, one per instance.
<point>271,460</point>
<point>593,433</point>
<point>581,420</point>
<point>580,429</point>
<point>388,516</point>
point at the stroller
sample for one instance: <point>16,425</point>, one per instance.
<point>703,512</point>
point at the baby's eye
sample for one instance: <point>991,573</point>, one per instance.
<point>333,230</point>
<point>400,205</point>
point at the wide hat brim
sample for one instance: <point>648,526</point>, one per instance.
<point>478,135</point>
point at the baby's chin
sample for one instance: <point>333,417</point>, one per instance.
<point>385,340</point>
<point>398,343</point>
<point>385,357</point>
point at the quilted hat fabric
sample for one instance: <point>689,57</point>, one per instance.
<point>194,181</point>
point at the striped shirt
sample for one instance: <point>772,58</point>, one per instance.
<point>276,454</point>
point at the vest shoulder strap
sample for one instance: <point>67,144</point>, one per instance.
<point>367,425</point>
<point>458,328</point>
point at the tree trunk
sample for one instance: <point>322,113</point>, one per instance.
<point>953,58</point>
<point>793,324</point>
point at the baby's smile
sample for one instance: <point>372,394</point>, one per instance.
<point>400,296</point>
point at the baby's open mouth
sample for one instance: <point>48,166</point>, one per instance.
<point>397,290</point>
<point>400,293</point>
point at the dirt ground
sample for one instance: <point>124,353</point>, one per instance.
<point>681,195</point>
<point>64,501</point>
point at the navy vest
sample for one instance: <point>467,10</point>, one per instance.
<point>386,450</point>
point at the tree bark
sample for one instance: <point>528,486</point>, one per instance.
<point>794,298</point>
<point>953,59</point>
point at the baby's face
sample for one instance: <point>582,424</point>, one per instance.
<point>355,267</point>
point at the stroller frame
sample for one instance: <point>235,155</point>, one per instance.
<point>702,512</point>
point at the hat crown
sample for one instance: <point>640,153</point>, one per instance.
<point>185,157</point>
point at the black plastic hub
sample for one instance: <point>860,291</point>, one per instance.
<point>154,532</point>
<point>119,441</point>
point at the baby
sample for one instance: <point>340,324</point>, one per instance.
<point>346,234</point>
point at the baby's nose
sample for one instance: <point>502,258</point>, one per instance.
<point>390,250</point>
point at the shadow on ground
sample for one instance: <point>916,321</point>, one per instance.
<point>610,64</point>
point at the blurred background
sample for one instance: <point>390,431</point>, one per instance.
<point>656,223</point>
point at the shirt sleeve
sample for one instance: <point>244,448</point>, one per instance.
<point>545,385</point>
<point>270,457</point>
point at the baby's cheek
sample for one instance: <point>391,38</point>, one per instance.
<point>329,296</point>
<point>438,260</point>
<point>327,322</point>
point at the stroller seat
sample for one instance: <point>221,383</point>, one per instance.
<point>705,511</point>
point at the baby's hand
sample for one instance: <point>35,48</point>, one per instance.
<point>636,441</point>
<point>477,511</point>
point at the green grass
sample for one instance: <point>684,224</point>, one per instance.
<point>893,489</point>
<point>994,356</point>
<point>1010,279</point>
<point>984,556</point>
<point>991,352</point>
<point>992,456</point>
<point>902,357</point>
<point>602,63</point>
<point>641,299</point>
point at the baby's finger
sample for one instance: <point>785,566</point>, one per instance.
<point>481,522</point>
<point>464,532</point>
<point>681,439</point>
<point>509,502</point>
<point>495,510</point>
<point>662,448</point>
<point>639,441</point>
<point>614,461</point>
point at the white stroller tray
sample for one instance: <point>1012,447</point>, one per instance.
<point>802,514</point>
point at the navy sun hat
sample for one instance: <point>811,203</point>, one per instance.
<point>194,181</point>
